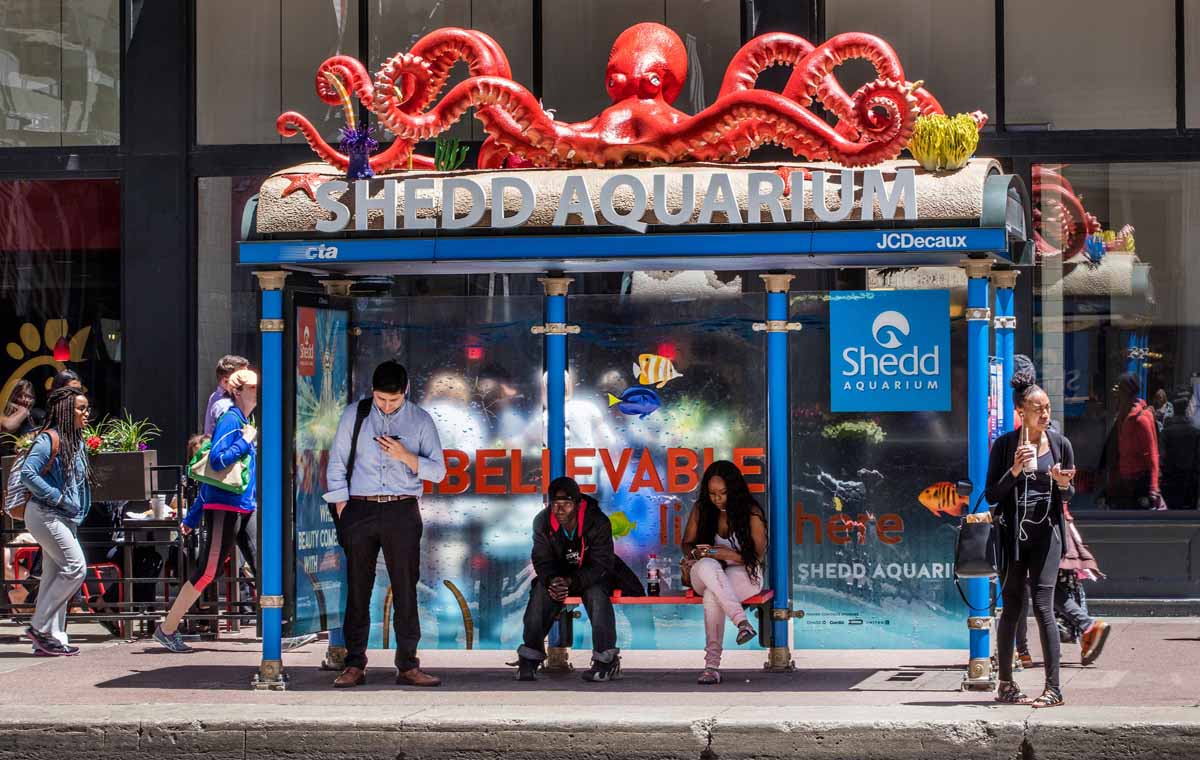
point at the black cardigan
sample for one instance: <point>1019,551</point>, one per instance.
<point>1001,487</point>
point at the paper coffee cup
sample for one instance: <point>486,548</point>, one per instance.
<point>159,505</point>
<point>1031,463</point>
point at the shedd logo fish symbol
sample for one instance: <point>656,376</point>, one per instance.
<point>888,328</point>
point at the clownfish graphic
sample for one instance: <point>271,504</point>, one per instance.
<point>654,369</point>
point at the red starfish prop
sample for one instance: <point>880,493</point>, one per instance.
<point>303,182</point>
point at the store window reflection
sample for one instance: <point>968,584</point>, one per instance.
<point>60,290</point>
<point>1118,327</point>
<point>59,73</point>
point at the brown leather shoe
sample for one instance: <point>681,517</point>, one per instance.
<point>349,678</point>
<point>417,677</point>
<point>1093,641</point>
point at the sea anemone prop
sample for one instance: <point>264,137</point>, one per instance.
<point>944,143</point>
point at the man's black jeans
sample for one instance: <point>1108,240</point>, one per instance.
<point>542,611</point>
<point>365,528</point>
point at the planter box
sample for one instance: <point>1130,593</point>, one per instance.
<point>122,477</point>
<point>115,477</point>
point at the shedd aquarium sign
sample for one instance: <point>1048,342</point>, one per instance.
<point>889,351</point>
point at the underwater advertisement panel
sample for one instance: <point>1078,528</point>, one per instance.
<point>322,392</point>
<point>875,511</point>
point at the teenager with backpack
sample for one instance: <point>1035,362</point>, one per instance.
<point>56,474</point>
<point>384,448</point>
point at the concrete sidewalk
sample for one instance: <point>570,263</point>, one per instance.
<point>125,700</point>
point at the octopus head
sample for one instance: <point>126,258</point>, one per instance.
<point>648,61</point>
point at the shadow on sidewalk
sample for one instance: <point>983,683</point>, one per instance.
<point>221,677</point>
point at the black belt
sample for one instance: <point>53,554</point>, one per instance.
<point>383,498</point>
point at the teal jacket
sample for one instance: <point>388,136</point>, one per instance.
<point>70,497</point>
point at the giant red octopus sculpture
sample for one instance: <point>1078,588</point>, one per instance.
<point>646,71</point>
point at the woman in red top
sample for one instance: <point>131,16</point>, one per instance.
<point>1130,455</point>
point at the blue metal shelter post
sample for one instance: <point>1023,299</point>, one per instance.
<point>979,620</point>
<point>270,403</point>
<point>1005,323</point>
<point>779,563</point>
<point>555,331</point>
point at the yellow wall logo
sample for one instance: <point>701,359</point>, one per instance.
<point>55,334</point>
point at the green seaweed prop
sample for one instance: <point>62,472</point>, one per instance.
<point>448,155</point>
<point>944,143</point>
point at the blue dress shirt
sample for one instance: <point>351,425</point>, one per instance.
<point>376,473</point>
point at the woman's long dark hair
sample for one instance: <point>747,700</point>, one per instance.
<point>739,506</point>
<point>60,415</point>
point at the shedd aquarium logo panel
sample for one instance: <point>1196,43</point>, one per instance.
<point>889,351</point>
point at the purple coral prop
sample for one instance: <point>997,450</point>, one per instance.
<point>358,144</point>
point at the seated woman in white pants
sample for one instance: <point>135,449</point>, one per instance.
<point>726,535</point>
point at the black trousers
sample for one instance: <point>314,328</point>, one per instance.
<point>366,527</point>
<point>221,528</point>
<point>1036,570</point>
<point>542,611</point>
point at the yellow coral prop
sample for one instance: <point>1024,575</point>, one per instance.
<point>944,143</point>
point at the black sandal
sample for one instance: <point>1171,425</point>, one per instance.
<point>1008,693</point>
<point>1051,697</point>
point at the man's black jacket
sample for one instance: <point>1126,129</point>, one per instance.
<point>598,564</point>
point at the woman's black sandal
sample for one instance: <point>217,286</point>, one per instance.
<point>1051,697</point>
<point>1007,693</point>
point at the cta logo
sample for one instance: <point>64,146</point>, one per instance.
<point>889,351</point>
<point>899,241</point>
<point>321,252</point>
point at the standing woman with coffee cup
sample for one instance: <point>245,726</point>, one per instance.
<point>1029,477</point>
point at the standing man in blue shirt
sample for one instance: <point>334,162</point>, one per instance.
<point>384,448</point>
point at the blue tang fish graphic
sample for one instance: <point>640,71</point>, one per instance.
<point>639,401</point>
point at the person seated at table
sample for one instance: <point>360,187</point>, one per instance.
<point>573,556</point>
<point>726,539</point>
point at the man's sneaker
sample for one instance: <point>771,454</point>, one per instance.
<point>335,659</point>
<point>527,669</point>
<point>603,671</point>
<point>172,642</point>
<point>1093,641</point>
<point>48,646</point>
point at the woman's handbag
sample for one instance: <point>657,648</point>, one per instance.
<point>977,553</point>
<point>235,478</point>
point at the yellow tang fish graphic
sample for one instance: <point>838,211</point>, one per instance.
<point>652,368</point>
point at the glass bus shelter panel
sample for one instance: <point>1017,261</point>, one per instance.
<point>476,367</point>
<point>875,513</point>
<point>658,388</point>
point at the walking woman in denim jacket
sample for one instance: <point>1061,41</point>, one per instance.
<point>59,500</point>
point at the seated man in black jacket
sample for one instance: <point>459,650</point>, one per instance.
<point>573,556</point>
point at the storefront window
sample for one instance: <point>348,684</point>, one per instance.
<point>397,24</point>
<point>1191,50</point>
<point>226,294</point>
<point>578,37</point>
<point>60,292</point>
<point>60,73</point>
<point>959,68</point>
<point>1063,70</point>
<point>256,59</point>
<point>1119,327</point>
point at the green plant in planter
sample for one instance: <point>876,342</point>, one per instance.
<point>448,155</point>
<point>944,143</point>
<point>120,434</point>
<point>866,431</point>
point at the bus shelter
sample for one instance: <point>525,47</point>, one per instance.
<point>803,376</point>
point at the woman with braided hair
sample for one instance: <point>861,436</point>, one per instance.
<point>57,475</point>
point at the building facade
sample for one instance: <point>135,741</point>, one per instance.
<point>133,134</point>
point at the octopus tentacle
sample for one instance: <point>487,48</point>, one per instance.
<point>732,128</point>
<point>445,47</point>
<point>397,154</point>
<point>352,74</point>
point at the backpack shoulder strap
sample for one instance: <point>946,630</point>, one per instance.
<point>360,416</point>
<point>53,450</point>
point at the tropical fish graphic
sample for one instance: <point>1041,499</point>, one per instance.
<point>634,400</point>
<point>621,525</point>
<point>655,370</point>
<point>943,499</point>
